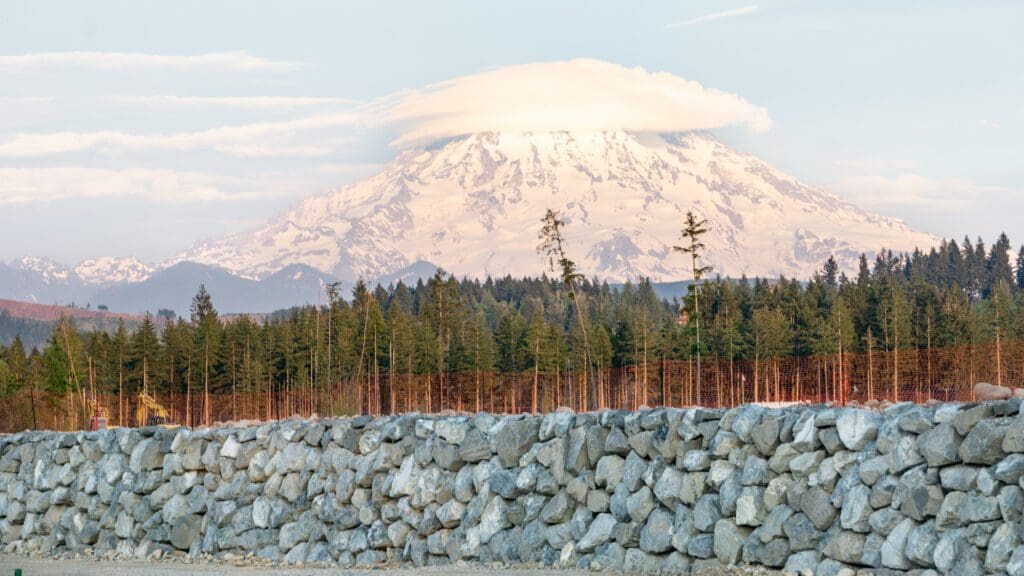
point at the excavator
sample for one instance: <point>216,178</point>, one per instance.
<point>150,412</point>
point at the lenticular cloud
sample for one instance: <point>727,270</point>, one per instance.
<point>573,95</point>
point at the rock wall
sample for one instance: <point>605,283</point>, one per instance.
<point>815,490</point>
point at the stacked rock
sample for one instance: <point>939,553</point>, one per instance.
<point>810,489</point>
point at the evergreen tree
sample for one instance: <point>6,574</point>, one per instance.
<point>207,340</point>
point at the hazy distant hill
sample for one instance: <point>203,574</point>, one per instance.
<point>172,288</point>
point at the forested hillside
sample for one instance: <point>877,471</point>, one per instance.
<point>958,294</point>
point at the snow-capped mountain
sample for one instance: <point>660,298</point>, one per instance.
<point>46,270</point>
<point>112,270</point>
<point>473,206</point>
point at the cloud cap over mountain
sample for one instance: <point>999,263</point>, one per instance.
<point>582,95</point>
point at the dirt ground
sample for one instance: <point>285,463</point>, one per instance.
<point>36,567</point>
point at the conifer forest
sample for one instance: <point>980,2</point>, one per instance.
<point>905,326</point>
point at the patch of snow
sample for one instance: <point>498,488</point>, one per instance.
<point>112,270</point>
<point>49,271</point>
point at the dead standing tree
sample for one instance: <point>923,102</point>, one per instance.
<point>552,245</point>
<point>692,231</point>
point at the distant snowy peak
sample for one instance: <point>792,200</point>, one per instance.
<point>112,270</point>
<point>46,270</point>
<point>473,206</point>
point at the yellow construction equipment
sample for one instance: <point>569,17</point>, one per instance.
<point>150,412</point>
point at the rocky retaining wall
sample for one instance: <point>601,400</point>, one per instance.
<point>813,490</point>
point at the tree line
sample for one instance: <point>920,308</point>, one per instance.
<point>404,345</point>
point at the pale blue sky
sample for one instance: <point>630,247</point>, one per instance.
<point>911,109</point>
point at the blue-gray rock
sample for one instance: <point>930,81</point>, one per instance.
<point>904,454</point>
<point>984,444</point>
<point>921,542</point>
<point>1000,547</point>
<point>940,445</point>
<point>873,469</point>
<point>977,508</point>
<point>969,416</point>
<point>802,563</point>
<point>755,472</point>
<point>657,532</point>
<point>805,434</point>
<point>765,436</point>
<point>1015,567</point>
<point>728,541</point>
<point>558,509</point>
<point>599,532</point>
<point>1010,469</point>
<point>750,510</point>
<point>772,554</point>
<point>922,501</point>
<point>1014,439</point>
<point>856,509</point>
<point>610,557</point>
<point>960,477</point>
<point>701,546</point>
<point>668,487</point>
<point>640,504</point>
<point>951,546</point>
<point>801,532</point>
<point>474,447</point>
<point>185,531</point>
<point>803,465</point>
<point>576,456</point>
<point>1011,503</point>
<point>817,505</point>
<point>706,513</point>
<point>609,471</point>
<point>514,438</point>
<point>857,428</point>
<point>633,471</point>
<point>845,546</point>
<point>893,555</point>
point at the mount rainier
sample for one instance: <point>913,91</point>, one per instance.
<point>473,205</point>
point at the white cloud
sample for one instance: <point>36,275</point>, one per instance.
<point>254,102</point>
<point>236,60</point>
<point>744,11</point>
<point>256,139</point>
<point>901,189</point>
<point>26,100</point>
<point>574,95</point>
<point>48,184</point>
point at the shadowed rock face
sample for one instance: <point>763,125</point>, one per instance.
<point>807,489</point>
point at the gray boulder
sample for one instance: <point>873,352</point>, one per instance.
<point>599,532</point>
<point>893,555</point>
<point>185,531</point>
<point>940,445</point>
<point>514,438</point>
<point>728,542</point>
<point>984,444</point>
<point>817,505</point>
<point>657,533</point>
<point>857,428</point>
<point>845,546</point>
